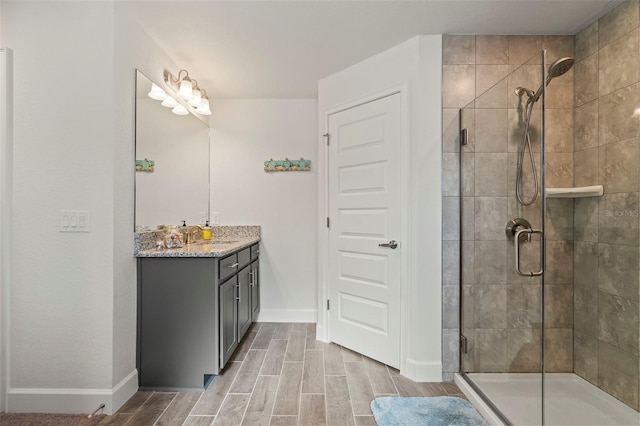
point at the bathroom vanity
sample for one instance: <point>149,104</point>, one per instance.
<point>195,305</point>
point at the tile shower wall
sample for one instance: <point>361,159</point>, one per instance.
<point>502,315</point>
<point>607,286</point>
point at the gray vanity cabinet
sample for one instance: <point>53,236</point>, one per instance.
<point>228,319</point>
<point>244,301</point>
<point>255,289</point>
<point>235,303</point>
<point>255,281</point>
<point>192,314</point>
<point>177,322</point>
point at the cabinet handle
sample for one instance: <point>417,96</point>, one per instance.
<point>251,275</point>
<point>233,265</point>
<point>237,286</point>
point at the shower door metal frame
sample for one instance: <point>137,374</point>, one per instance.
<point>543,251</point>
<point>543,207</point>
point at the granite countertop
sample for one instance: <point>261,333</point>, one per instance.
<point>203,248</point>
<point>226,240</point>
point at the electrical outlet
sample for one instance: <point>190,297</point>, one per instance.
<point>215,218</point>
<point>74,221</point>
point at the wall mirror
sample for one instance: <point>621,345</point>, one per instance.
<point>172,163</point>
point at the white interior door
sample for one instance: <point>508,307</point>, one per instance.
<point>365,212</point>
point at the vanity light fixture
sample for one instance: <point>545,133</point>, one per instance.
<point>187,88</point>
<point>203,109</point>
<point>196,99</point>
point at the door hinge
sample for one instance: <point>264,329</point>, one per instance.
<point>464,136</point>
<point>463,344</point>
<point>326,136</point>
<point>328,307</point>
<point>328,222</point>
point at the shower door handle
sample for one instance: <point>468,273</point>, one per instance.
<point>516,242</point>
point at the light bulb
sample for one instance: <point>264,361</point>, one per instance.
<point>180,110</point>
<point>157,93</point>
<point>169,102</point>
<point>186,90</point>
<point>196,100</point>
<point>204,108</point>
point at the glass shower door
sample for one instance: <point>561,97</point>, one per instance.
<point>502,244</point>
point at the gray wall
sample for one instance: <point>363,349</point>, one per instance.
<point>606,229</point>
<point>502,317</point>
<point>592,315</point>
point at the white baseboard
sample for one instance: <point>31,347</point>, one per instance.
<point>124,390</point>
<point>287,315</point>
<point>422,371</point>
<point>72,401</point>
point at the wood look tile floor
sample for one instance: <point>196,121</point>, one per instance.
<point>281,375</point>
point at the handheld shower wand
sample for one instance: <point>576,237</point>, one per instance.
<point>556,69</point>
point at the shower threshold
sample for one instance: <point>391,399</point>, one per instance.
<point>569,399</point>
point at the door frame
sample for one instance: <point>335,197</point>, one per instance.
<point>6,162</point>
<point>322,329</point>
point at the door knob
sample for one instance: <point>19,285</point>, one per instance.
<point>391,244</point>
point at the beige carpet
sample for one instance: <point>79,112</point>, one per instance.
<point>32,419</point>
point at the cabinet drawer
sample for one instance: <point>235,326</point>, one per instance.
<point>255,251</point>
<point>228,266</point>
<point>244,257</point>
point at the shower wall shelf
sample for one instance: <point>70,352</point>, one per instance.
<point>576,192</point>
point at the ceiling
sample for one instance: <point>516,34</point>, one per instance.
<point>280,49</point>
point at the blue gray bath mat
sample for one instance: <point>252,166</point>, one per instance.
<point>433,411</point>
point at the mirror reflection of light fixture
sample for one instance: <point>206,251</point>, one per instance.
<point>180,110</point>
<point>169,102</point>
<point>157,93</point>
<point>187,88</point>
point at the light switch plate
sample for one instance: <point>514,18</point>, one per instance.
<point>74,221</point>
<point>215,218</point>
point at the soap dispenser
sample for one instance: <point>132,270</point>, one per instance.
<point>206,231</point>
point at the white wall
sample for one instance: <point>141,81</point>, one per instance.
<point>62,290</point>
<point>6,196</point>
<point>416,63</point>
<point>73,301</point>
<point>245,133</point>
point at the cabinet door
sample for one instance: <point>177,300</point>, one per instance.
<point>228,319</point>
<point>244,302</point>
<point>255,290</point>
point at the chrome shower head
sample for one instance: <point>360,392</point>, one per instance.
<point>556,69</point>
<point>560,67</point>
